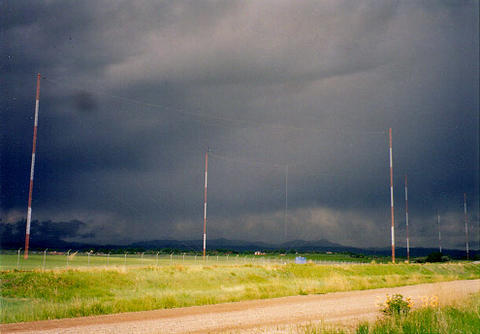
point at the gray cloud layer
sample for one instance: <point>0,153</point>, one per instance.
<point>136,91</point>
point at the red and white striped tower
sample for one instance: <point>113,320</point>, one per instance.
<point>391,196</point>
<point>32,167</point>
<point>466,224</point>
<point>285,214</point>
<point>406,217</point>
<point>439,234</point>
<point>205,207</point>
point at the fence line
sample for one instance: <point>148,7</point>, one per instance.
<point>10,260</point>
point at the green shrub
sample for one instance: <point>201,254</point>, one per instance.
<point>396,305</point>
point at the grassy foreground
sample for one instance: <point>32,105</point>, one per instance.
<point>460,318</point>
<point>463,316</point>
<point>50,294</point>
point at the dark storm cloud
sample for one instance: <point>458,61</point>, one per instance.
<point>134,92</point>
<point>44,233</point>
<point>84,101</point>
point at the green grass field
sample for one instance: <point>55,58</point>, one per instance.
<point>76,260</point>
<point>48,294</point>
<point>463,316</point>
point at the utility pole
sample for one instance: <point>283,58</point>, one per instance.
<point>391,196</point>
<point>32,168</point>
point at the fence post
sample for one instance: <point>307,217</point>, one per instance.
<point>125,261</point>
<point>68,255</point>
<point>157,259</point>
<point>171,257</point>
<point>18,258</point>
<point>142,257</point>
<point>88,258</point>
<point>183,257</point>
<point>44,258</point>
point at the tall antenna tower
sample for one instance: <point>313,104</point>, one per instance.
<point>32,168</point>
<point>466,224</point>
<point>406,217</point>
<point>285,214</point>
<point>391,196</point>
<point>205,207</point>
<point>439,234</point>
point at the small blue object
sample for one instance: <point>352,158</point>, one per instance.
<point>300,260</point>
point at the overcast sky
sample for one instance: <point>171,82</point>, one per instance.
<point>134,92</point>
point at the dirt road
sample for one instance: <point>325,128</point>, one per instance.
<point>253,316</point>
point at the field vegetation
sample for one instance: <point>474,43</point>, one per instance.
<point>73,259</point>
<point>59,293</point>
<point>461,316</point>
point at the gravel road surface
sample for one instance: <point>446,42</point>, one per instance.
<point>255,316</point>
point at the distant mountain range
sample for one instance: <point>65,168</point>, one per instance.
<point>297,245</point>
<point>241,245</point>
<point>231,245</point>
<point>54,235</point>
